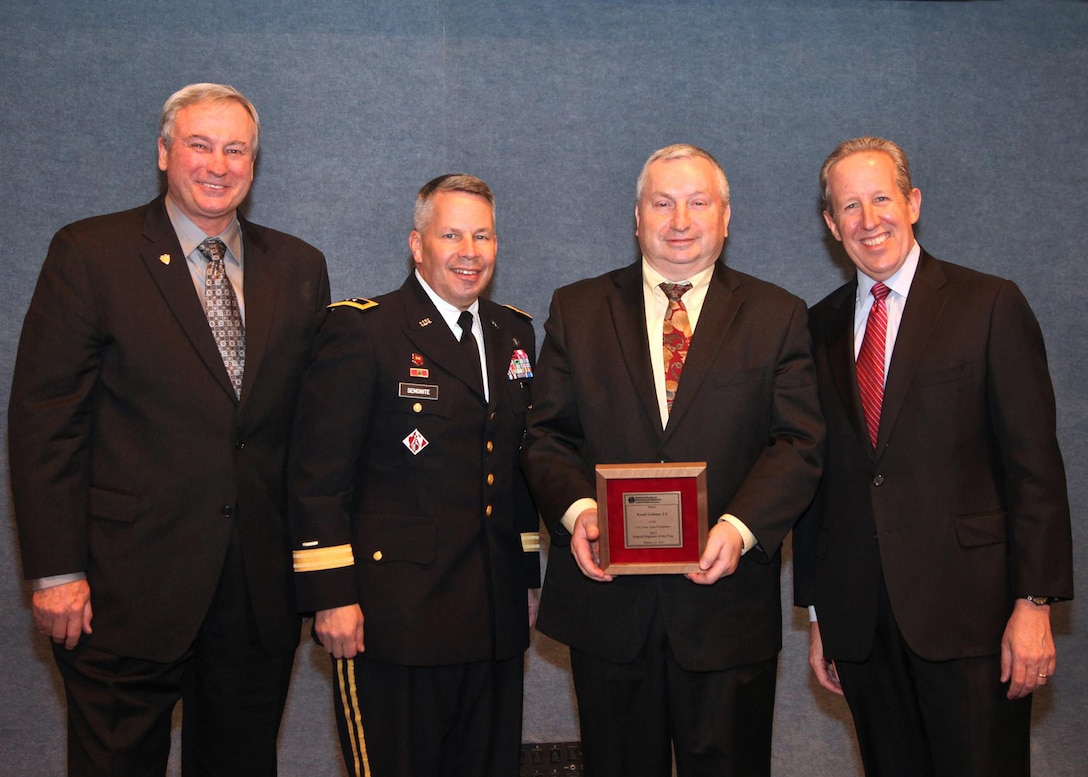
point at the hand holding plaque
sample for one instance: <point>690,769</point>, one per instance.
<point>652,517</point>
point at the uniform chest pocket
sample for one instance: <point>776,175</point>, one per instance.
<point>416,405</point>
<point>519,393</point>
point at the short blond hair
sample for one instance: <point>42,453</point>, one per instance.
<point>867,143</point>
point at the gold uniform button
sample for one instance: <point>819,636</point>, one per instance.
<point>417,408</point>
<point>377,555</point>
<point>487,511</point>
<point>490,446</point>
<point>491,479</point>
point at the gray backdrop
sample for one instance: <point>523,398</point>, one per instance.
<point>557,105</point>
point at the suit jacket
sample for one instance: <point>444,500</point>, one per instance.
<point>131,456</point>
<point>963,505</point>
<point>746,405</point>
<point>406,496</point>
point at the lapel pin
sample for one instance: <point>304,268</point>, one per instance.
<point>425,322</point>
<point>164,258</point>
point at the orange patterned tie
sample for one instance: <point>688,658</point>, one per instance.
<point>675,338</point>
<point>870,362</point>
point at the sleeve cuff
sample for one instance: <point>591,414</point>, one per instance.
<point>576,509</point>
<point>745,533</point>
<point>530,541</point>
<point>321,559</point>
<point>41,583</point>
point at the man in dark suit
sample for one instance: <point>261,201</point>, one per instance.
<point>670,662</point>
<point>408,507</point>
<point>941,533</point>
<point>147,457</point>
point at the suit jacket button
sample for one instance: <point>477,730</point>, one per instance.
<point>238,444</point>
<point>228,511</point>
<point>377,555</point>
<point>878,480</point>
<point>487,510</point>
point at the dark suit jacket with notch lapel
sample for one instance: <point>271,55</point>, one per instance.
<point>964,506</point>
<point>128,444</point>
<point>746,405</point>
<point>440,570</point>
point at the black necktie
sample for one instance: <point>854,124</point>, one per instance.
<point>471,348</point>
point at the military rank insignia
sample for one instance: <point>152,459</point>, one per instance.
<point>415,442</point>
<point>417,370</point>
<point>519,366</point>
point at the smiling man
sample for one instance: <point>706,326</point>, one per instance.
<point>675,358</point>
<point>149,417</point>
<point>940,533</point>
<point>415,540</point>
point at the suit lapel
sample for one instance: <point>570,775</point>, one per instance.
<point>498,346</point>
<point>723,302</point>
<point>428,331</point>
<point>924,304</point>
<point>839,343</point>
<point>261,286</point>
<point>171,275</point>
<point>628,309</point>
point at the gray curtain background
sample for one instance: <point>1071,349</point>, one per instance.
<point>557,105</point>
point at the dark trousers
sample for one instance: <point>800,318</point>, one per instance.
<point>232,692</point>
<point>462,720</point>
<point>635,716</point>
<point>918,718</point>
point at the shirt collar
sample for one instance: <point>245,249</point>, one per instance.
<point>190,235</point>
<point>900,282</point>
<point>450,313</point>
<point>652,279</point>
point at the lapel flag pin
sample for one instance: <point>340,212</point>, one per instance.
<point>164,258</point>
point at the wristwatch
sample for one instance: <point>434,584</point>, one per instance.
<point>1038,601</point>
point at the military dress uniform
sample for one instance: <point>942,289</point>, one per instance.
<point>407,498</point>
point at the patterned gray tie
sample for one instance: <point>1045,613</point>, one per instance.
<point>221,307</point>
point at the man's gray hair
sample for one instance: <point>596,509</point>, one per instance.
<point>201,93</point>
<point>453,182</point>
<point>682,151</point>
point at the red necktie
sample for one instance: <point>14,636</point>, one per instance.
<point>870,362</point>
<point>675,338</point>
